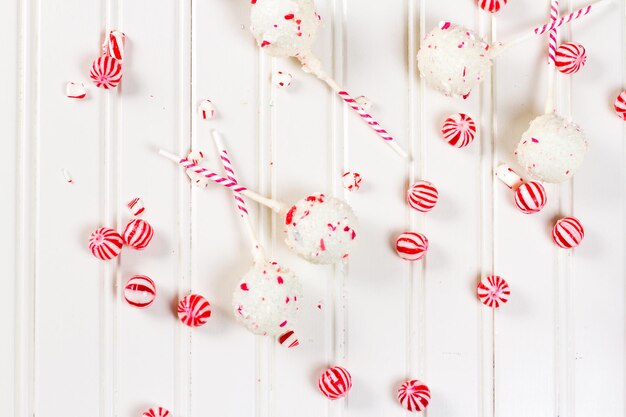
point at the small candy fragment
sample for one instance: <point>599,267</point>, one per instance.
<point>414,395</point>
<point>422,196</point>
<point>197,179</point>
<point>568,232</point>
<point>67,176</point>
<point>351,181</point>
<point>531,197</point>
<point>570,57</point>
<point>620,105</point>
<point>411,246</point>
<point>195,156</point>
<point>282,79</point>
<point>288,339</point>
<point>364,102</point>
<point>509,177</point>
<point>206,109</point>
<point>335,382</point>
<point>139,291</point>
<point>194,310</point>
<point>136,206</point>
<point>156,412</point>
<point>114,45</point>
<point>138,233</point>
<point>493,291</point>
<point>106,72</point>
<point>105,243</point>
<point>459,130</point>
<point>75,90</point>
<point>491,6</point>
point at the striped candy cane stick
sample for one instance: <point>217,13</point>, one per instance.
<point>224,182</point>
<point>552,45</point>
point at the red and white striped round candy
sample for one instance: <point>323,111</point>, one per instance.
<point>620,105</point>
<point>491,6</point>
<point>105,243</point>
<point>156,412</point>
<point>140,291</point>
<point>411,246</point>
<point>335,382</point>
<point>106,72</point>
<point>531,197</point>
<point>194,310</point>
<point>422,196</point>
<point>570,57</point>
<point>493,291</point>
<point>568,232</point>
<point>414,395</point>
<point>288,339</point>
<point>459,130</point>
<point>138,233</point>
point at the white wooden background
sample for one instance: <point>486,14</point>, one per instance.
<point>71,345</point>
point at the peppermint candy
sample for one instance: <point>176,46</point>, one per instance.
<point>620,105</point>
<point>531,197</point>
<point>138,233</point>
<point>411,246</point>
<point>114,45</point>
<point>351,181</point>
<point>335,382</point>
<point>491,6</point>
<point>459,130</point>
<point>106,72</point>
<point>568,232</point>
<point>422,196</point>
<point>493,291</point>
<point>140,291</point>
<point>194,310</point>
<point>414,395</point>
<point>288,339</point>
<point>75,90</point>
<point>105,243</point>
<point>570,57</point>
<point>156,412</point>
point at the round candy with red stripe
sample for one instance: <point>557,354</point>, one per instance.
<point>411,246</point>
<point>459,130</point>
<point>620,105</point>
<point>422,196</point>
<point>531,197</point>
<point>138,233</point>
<point>105,243</point>
<point>139,291</point>
<point>335,382</point>
<point>106,72</point>
<point>414,395</point>
<point>289,339</point>
<point>570,57</point>
<point>491,6</point>
<point>568,232</point>
<point>156,412</point>
<point>493,291</point>
<point>194,310</point>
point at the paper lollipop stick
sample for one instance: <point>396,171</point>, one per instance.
<point>552,45</point>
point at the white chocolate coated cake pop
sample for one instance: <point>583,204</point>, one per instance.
<point>321,229</point>
<point>552,148</point>
<point>267,299</point>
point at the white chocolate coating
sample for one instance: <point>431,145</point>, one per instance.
<point>552,148</point>
<point>321,229</point>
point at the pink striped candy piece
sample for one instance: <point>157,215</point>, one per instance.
<point>138,233</point>
<point>335,382</point>
<point>493,291</point>
<point>570,57</point>
<point>140,291</point>
<point>414,395</point>
<point>422,196</point>
<point>411,246</point>
<point>114,45</point>
<point>568,232</point>
<point>288,339</point>
<point>136,206</point>
<point>75,90</point>
<point>206,109</point>
<point>156,412</point>
<point>194,310</point>
<point>459,130</point>
<point>105,243</point>
<point>491,6</point>
<point>106,72</point>
<point>620,105</point>
<point>531,197</point>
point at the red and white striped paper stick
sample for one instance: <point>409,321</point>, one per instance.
<point>225,182</point>
<point>552,45</point>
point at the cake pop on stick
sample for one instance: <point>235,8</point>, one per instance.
<point>454,60</point>
<point>288,28</point>
<point>318,228</point>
